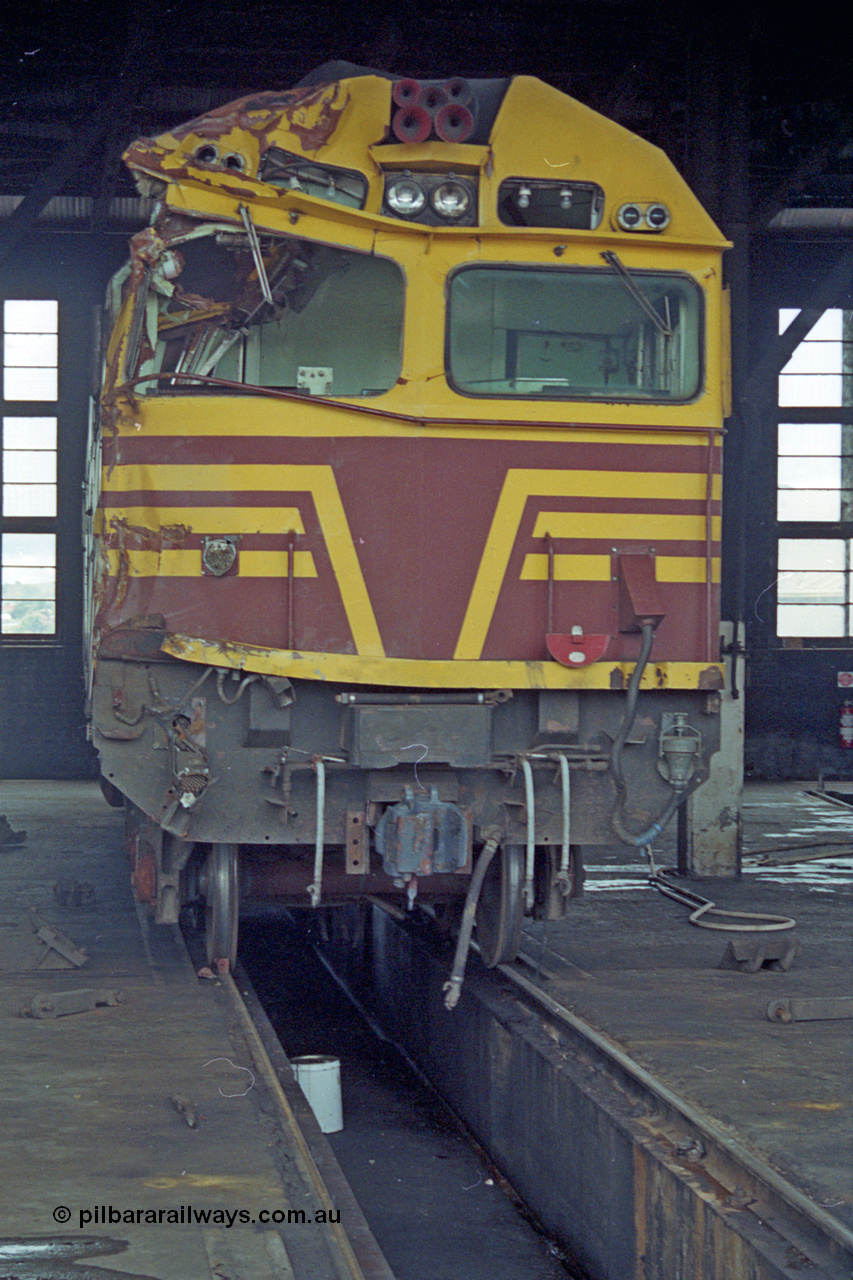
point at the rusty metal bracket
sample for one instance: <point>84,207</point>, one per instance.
<point>816,1009</point>
<point>357,847</point>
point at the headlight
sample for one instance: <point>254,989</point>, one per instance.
<point>406,197</point>
<point>451,200</point>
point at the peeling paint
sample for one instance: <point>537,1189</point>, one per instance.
<point>137,538</point>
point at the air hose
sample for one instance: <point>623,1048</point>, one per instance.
<point>617,820</point>
<point>702,908</point>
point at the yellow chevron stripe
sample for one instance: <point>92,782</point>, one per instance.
<point>518,486</point>
<point>182,562</point>
<point>637,526</point>
<point>213,519</point>
<point>319,481</point>
<point>687,569</point>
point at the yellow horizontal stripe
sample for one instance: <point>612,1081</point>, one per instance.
<point>566,568</point>
<point>413,673</point>
<point>179,562</point>
<point>638,526</point>
<point>687,569</point>
<point>213,519</point>
<point>211,478</point>
<point>251,416</point>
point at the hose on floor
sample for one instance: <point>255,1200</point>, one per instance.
<point>701,908</point>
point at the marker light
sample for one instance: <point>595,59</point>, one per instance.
<point>643,217</point>
<point>629,217</point>
<point>406,197</point>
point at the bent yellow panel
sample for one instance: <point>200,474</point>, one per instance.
<point>444,674</point>
<point>518,486</point>
<point>638,526</point>
<point>319,481</point>
<point>213,519</point>
<point>181,562</point>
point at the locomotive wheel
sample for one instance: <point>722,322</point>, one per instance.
<point>222,907</point>
<point>501,907</point>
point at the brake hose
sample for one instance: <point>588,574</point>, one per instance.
<point>617,821</point>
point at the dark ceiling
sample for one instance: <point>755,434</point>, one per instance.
<point>738,95</point>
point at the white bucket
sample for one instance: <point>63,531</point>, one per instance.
<point>319,1078</point>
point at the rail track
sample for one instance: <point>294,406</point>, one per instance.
<point>353,1253</point>
<point>751,1215</point>
<point>711,1152</point>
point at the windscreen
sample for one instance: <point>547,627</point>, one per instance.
<point>574,334</point>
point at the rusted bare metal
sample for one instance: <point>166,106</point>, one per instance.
<point>358,844</point>
<point>422,835</point>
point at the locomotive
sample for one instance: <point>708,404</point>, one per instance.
<point>405,489</point>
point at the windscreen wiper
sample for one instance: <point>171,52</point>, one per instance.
<point>636,292</point>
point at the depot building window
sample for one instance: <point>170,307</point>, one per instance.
<point>28,469</point>
<point>574,334</point>
<point>814,492</point>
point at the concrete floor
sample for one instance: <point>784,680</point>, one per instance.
<point>89,1121</point>
<point>637,970</point>
<point>88,1117</point>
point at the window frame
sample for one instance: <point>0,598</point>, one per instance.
<point>831,530</point>
<point>33,408</point>
<point>589,272</point>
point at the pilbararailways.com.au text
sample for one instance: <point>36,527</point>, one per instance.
<point>187,1215</point>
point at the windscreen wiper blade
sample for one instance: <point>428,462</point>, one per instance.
<point>636,292</point>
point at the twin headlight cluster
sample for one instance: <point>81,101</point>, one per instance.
<point>434,198</point>
<point>643,217</point>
